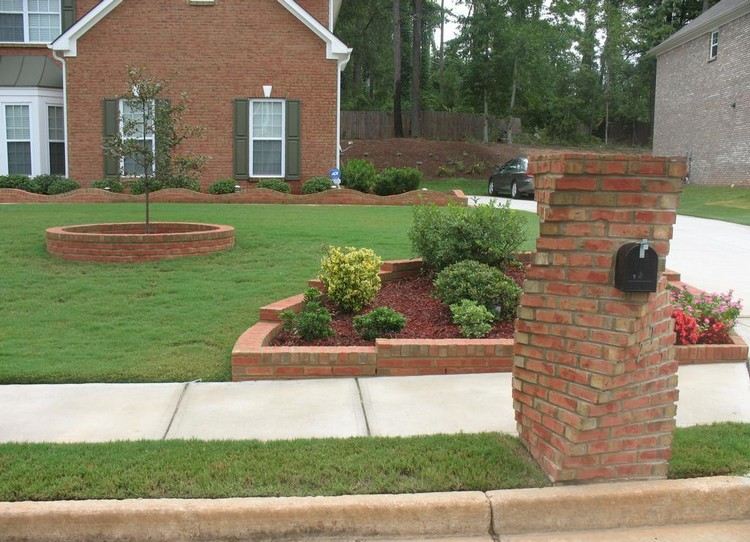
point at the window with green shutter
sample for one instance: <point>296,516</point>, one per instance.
<point>111,128</point>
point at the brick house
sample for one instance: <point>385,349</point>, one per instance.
<point>262,78</point>
<point>702,107</point>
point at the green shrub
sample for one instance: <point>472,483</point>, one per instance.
<point>316,184</point>
<point>397,181</point>
<point>180,181</point>
<point>473,319</point>
<point>358,175</point>
<point>351,277</point>
<point>278,185</point>
<point>225,186</point>
<point>381,322</point>
<point>114,185</point>
<point>312,322</point>
<point>21,182</point>
<point>446,235</point>
<point>480,283</point>
<point>138,186</point>
<point>61,186</point>
<point>44,182</point>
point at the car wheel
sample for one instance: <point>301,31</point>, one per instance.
<point>514,190</point>
<point>491,188</point>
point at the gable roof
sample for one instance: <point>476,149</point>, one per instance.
<point>722,13</point>
<point>67,43</point>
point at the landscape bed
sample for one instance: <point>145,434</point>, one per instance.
<point>255,357</point>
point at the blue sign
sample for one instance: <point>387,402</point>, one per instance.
<point>335,175</point>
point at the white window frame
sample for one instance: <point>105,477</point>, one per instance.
<point>38,99</point>
<point>253,139</point>
<point>50,140</point>
<point>8,140</point>
<point>151,137</point>
<point>713,41</point>
<point>26,28</point>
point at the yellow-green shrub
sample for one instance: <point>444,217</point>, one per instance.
<point>350,276</point>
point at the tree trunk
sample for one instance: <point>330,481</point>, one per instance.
<point>486,135</point>
<point>416,70</point>
<point>398,125</point>
<point>442,50</point>
<point>514,86</point>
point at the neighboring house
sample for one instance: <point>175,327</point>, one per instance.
<point>262,78</point>
<point>702,108</point>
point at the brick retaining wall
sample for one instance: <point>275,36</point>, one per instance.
<point>341,196</point>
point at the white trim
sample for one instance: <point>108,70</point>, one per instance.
<point>694,31</point>
<point>338,118</point>
<point>67,43</point>
<point>711,55</point>
<point>25,13</point>
<point>252,139</point>
<point>65,108</point>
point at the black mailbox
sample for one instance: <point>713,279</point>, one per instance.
<point>636,268</point>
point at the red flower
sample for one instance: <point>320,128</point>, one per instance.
<point>715,334</point>
<point>685,327</point>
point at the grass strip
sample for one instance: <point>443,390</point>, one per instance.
<point>194,469</point>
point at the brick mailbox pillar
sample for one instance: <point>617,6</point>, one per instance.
<point>595,376</point>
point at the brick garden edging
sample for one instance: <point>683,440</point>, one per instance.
<point>342,196</point>
<point>126,242</point>
<point>254,359</point>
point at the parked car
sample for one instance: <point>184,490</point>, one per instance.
<point>512,179</point>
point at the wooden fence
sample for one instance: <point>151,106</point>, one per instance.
<point>435,125</point>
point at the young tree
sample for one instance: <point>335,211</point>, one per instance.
<point>151,130</point>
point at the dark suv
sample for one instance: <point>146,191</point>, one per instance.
<point>512,179</point>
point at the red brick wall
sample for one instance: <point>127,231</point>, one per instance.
<point>595,379</point>
<point>316,8</point>
<point>215,54</point>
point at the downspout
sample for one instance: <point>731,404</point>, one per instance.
<point>339,68</point>
<point>65,107</point>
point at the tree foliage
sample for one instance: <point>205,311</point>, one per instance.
<point>569,69</point>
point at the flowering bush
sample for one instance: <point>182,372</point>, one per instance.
<point>685,327</point>
<point>351,277</point>
<point>714,314</point>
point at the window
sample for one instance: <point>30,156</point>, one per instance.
<point>18,138</point>
<point>56,124</point>
<point>713,50</point>
<point>35,21</point>
<point>267,138</point>
<point>132,127</point>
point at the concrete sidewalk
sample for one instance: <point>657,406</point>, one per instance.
<point>381,406</point>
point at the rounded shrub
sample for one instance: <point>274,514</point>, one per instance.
<point>381,322</point>
<point>473,319</point>
<point>358,174</point>
<point>316,184</point>
<point>351,277</point>
<point>180,181</point>
<point>138,186</point>
<point>278,185</point>
<point>61,186</point>
<point>480,283</point>
<point>112,185</point>
<point>21,182</point>
<point>393,180</point>
<point>313,322</point>
<point>225,186</point>
<point>446,235</point>
<point>44,182</point>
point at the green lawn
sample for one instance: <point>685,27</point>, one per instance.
<point>470,187</point>
<point>718,202</point>
<point>191,469</point>
<point>166,321</point>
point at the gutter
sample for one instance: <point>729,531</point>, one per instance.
<point>65,106</point>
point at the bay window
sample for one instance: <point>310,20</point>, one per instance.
<point>18,139</point>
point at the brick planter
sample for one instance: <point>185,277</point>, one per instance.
<point>128,242</point>
<point>254,359</point>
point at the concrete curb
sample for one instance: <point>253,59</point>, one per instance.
<point>460,515</point>
<point>464,515</point>
<point>620,505</point>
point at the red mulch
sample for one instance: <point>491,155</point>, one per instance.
<point>426,317</point>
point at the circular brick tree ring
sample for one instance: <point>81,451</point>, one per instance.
<point>129,242</point>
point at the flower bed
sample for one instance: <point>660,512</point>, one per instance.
<point>254,357</point>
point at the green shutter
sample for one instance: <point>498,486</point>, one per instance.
<point>68,14</point>
<point>162,158</point>
<point>241,155</point>
<point>293,148</point>
<point>111,128</point>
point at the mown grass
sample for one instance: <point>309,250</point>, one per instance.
<point>166,321</point>
<point>193,469</point>
<point>470,187</point>
<point>717,202</point>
